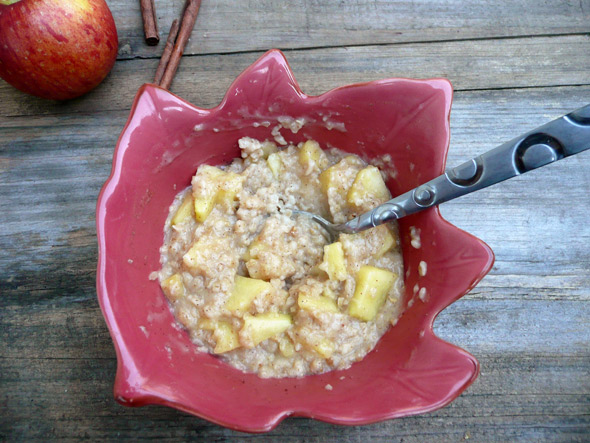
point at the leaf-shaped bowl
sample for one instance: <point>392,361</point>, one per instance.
<point>410,371</point>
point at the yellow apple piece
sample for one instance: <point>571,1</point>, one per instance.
<point>268,148</point>
<point>184,211</point>
<point>258,328</point>
<point>372,286</point>
<point>222,187</point>
<point>333,262</point>
<point>230,184</point>
<point>286,347</point>
<point>328,179</point>
<point>226,338</point>
<point>207,324</point>
<point>275,164</point>
<point>335,178</point>
<point>325,348</point>
<point>388,242</point>
<point>210,172</point>
<point>316,303</point>
<point>203,207</point>
<point>367,186</point>
<point>311,154</point>
<point>205,201</point>
<point>194,255</point>
<point>244,292</point>
<point>173,287</point>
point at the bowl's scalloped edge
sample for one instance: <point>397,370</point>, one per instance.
<point>130,395</point>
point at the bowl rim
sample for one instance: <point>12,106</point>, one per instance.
<point>103,295</point>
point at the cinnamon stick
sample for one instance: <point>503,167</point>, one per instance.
<point>186,27</point>
<point>150,24</point>
<point>167,52</point>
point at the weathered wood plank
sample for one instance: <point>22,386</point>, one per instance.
<point>530,236</point>
<point>51,171</point>
<point>203,80</point>
<point>260,25</point>
<point>63,329</point>
<point>525,389</point>
<point>526,322</point>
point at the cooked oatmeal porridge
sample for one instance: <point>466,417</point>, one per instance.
<point>261,287</point>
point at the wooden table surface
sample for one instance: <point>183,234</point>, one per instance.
<point>514,65</point>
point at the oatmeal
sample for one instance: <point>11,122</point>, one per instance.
<point>261,287</point>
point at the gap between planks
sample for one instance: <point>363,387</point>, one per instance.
<point>4,123</point>
<point>362,45</point>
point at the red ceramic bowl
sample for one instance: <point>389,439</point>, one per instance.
<point>410,371</point>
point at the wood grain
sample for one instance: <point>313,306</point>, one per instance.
<point>225,26</point>
<point>61,173</point>
<point>203,80</point>
<point>514,66</point>
<point>526,322</point>
<point>532,391</point>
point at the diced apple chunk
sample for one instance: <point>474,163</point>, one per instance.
<point>368,186</point>
<point>258,328</point>
<point>334,177</point>
<point>221,187</point>
<point>229,186</point>
<point>207,324</point>
<point>372,286</point>
<point>192,258</point>
<point>244,292</point>
<point>327,179</point>
<point>333,263</point>
<point>184,211</point>
<point>316,303</point>
<point>388,243</point>
<point>311,154</point>
<point>275,164</point>
<point>325,348</point>
<point>226,338</point>
<point>210,172</point>
<point>203,207</point>
<point>205,200</point>
<point>268,148</point>
<point>173,287</point>
<point>286,347</point>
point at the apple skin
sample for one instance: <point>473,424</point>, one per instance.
<point>56,49</point>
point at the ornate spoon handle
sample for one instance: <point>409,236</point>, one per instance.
<point>560,138</point>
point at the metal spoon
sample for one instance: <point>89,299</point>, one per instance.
<point>560,138</point>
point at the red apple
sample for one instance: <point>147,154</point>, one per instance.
<point>56,49</point>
